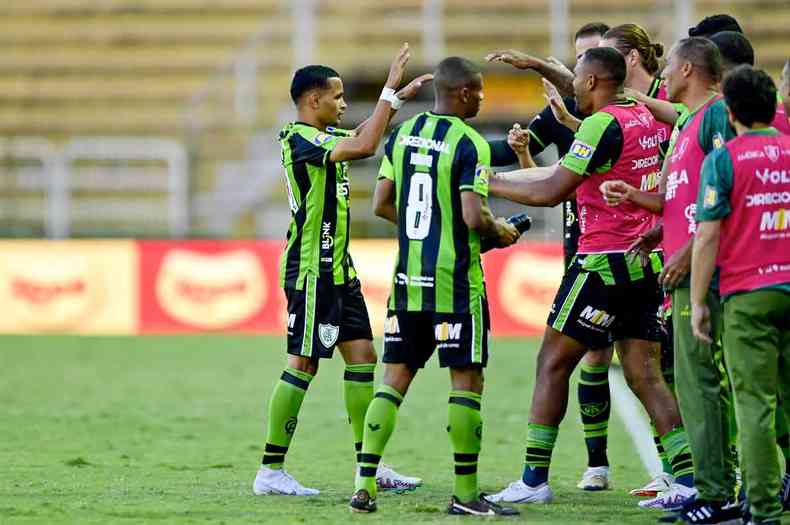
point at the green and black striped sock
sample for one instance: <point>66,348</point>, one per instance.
<point>676,445</point>
<point>465,427</point>
<point>380,420</point>
<point>358,393</point>
<point>284,408</point>
<point>595,407</point>
<point>540,445</point>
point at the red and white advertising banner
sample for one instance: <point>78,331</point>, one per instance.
<point>169,287</point>
<point>85,287</point>
<point>217,286</point>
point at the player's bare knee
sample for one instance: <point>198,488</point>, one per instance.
<point>303,364</point>
<point>398,376</point>
<point>358,352</point>
<point>467,378</point>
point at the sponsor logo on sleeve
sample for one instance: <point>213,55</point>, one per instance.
<point>581,150</point>
<point>321,139</point>
<point>711,197</point>
<point>718,140</point>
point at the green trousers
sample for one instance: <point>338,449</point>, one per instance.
<point>757,353</point>
<point>704,397</point>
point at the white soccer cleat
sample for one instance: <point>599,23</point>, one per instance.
<point>672,499</point>
<point>278,482</point>
<point>661,483</point>
<point>388,479</point>
<point>594,479</point>
<point>520,492</point>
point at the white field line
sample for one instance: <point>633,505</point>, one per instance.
<point>630,411</point>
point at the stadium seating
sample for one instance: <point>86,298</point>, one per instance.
<point>142,67</point>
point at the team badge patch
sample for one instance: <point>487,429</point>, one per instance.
<point>581,150</point>
<point>772,152</point>
<point>718,140</point>
<point>321,139</point>
<point>328,333</point>
<point>711,197</point>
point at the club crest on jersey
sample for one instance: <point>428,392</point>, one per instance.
<point>328,333</point>
<point>321,139</point>
<point>772,152</point>
<point>581,150</point>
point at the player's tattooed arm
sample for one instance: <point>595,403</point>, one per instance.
<point>384,201</point>
<point>550,69</point>
<point>703,264</point>
<point>545,187</point>
<point>479,217</point>
<point>662,110</point>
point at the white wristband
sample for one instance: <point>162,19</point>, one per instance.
<point>388,94</point>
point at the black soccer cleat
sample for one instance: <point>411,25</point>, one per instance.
<point>362,502</point>
<point>702,512</point>
<point>479,507</point>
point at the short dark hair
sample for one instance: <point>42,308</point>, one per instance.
<point>311,77</point>
<point>703,54</point>
<point>608,61</point>
<point>454,73</point>
<point>711,25</point>
<point>734,47</point>
<point>750,94</point>
<point>593,28</point>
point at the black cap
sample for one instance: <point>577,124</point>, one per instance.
<point>714,24</point>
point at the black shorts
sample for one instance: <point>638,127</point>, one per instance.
<point>462,339</point>
<point>323,315</point>
<point>597,314</point>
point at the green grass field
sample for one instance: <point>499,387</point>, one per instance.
<point>171,429</point>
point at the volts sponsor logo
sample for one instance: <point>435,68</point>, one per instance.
<point>653,141</point>
<point>581,150</point>
<point>422,142</point>
<point>767,176</point>
<point>775,221</point>
<point>448,331</point>
<point>597,317</point>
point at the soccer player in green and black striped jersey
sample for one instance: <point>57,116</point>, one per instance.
<point>325,303</point>
<point>433,184</point>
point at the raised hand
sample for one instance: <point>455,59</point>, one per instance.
<point>615,192</point>
<point>558,107</point>
<point>518,139</point>
<point>414,86</point>
<point>515,58</point>
<point>398,66</point>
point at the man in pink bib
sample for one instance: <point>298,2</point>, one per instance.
<point>743,215</point>
<point>594,306</point>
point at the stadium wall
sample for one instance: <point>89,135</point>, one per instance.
<point>129,287</point>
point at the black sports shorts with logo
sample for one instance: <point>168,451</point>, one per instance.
<point>462,339</point>
<point>323,315</point>
<point>598,313</point>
